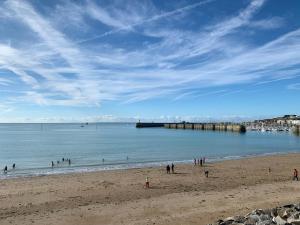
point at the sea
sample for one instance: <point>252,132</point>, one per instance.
<point>111,146</point>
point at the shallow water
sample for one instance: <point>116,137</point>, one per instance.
<point>33,146</point>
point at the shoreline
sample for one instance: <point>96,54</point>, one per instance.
<point>82,169</point>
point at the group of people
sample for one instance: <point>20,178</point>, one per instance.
<point>168,168</point>
<point>63,161</point>
<point>200,161</point>
<point>5,170</point>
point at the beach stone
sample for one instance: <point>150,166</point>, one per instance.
<point>278,220</point>
<point>266,222</point>
<point>274,212</point>
<point>295,215</point>
<point>293,221</point>
<point>284,215</point>
<point>258,212</point>
<point>264,217</point>
<point>228,222</point>
<point>254,218</point>
<point>287,213</point>
<point>250,221</point>
<point>239,219</point>
<point>268,212</point>
<point>229,219</point>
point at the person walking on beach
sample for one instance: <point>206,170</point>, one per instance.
<point>295,174</point>
<point>206,173</point>
<point>168,169</point>
<point>195,161</point>
<point>201,162</point>
<point>172,167</point>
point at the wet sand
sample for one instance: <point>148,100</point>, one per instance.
<point>119,197</point>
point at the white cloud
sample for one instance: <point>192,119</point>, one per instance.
<point>295,86</point>
<point>270,23</point>
<point>59,71</point>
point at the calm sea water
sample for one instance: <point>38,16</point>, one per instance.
<point>33,146</point>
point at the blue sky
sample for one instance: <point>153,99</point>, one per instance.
<point>121,60</point>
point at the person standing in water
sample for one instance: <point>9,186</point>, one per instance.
<point>52,164</point>
<point>5,169</point>
<point>14,166</point>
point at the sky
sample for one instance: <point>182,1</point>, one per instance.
<point>118,60</point>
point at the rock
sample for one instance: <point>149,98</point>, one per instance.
<point>293,221</point>
<point>278,220</point>
<point>266,222</point>
<point>254,218</point>
<point>239,219</point>
<point>274,212</point>
<point>229,219</point>
<point>228,222</point>
<point>265,217</point>
<point>288,206</point>
<point>287,213</point>
<point>295,215</point>
<point>284,215</point>
<point>258,212</point>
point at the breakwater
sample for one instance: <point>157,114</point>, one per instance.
<point>145,125</point>
<point>197,126</point>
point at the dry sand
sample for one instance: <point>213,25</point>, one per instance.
<point>118,197</point>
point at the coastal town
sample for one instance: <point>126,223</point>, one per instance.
<point>286,123</point>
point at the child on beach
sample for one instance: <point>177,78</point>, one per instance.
<point>295,174</point>
<point>206,173</point>
<point>147,184</point>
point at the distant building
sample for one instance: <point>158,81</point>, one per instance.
<point>287,120</point>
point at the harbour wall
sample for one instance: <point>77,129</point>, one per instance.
<point>197,126</point>
<point>207,126</point>
<point>148,125</point>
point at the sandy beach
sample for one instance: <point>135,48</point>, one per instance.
<point>119,197</point>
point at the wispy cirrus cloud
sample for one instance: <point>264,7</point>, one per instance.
<point>163,61</point>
